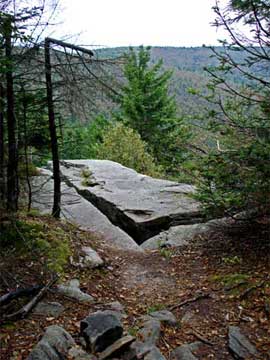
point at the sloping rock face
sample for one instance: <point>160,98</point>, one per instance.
<point>140,205</point>
<point>78,210</point>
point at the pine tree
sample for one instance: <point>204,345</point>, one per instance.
<point>148,108</point>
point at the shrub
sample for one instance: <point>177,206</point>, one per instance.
<point>50,245</point>
<point>125,146</point>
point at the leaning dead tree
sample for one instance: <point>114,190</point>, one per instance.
<point>51,114</point>
<point>41,78</point>
<point>76,71</point>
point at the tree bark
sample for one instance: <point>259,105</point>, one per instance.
<point>2,147</point>
<point>53,134</point>
<point>12,166</point>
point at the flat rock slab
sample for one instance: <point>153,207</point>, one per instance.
<point>117,348</point>
<point>53,309</point>
<point>54,345</point>
<point>239,344</point>
<point>142,206</point>
<point>79,211</point>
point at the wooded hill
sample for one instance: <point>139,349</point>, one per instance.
<point>188,66</point>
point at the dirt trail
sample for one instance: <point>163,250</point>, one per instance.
<point>162,279</point>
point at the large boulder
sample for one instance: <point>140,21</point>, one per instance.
<point>54,345</point>
<point>141,205</point>
<point>79,211</point>
<point>100,330</point>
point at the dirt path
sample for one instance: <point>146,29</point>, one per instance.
<point>163,279</point>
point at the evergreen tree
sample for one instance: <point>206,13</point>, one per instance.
<point>236,173</point>
<point>148,108</point>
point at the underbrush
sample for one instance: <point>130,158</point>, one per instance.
<point>36,238</point>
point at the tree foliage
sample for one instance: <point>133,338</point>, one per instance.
<point>124,145</point>
<point>236,173</point>
<point>148,108</point>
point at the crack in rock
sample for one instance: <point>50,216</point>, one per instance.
<point>140,205</point>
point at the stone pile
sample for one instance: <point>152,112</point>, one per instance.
<point>102,337</point>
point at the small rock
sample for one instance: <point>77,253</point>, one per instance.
<point>187,317</point>
<point>239,345</point>
<point>76,353</point>
<point>72,289</point>
<point>54,345</point>
<point>184,352</point>
<point>164,316</point>
<point>49,309</point>
<point>116,306</point>
<point>100,330</point>
<point>150,332</point>
<point>139,349</point>
<point>117,348</point>
<point>117,309</point>
<point>154,354</point>
<point>90,258</point>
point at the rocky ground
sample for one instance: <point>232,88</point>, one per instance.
<point>217,288</point>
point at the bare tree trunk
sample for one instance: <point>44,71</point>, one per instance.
<point>12,166</point>
<point>52,126</point>
<point>2,147</point>
<point>25,150</point>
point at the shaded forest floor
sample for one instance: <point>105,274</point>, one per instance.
<point>230,271</point>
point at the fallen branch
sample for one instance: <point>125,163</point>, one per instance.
<point>7,298</point>
<point>252,288</point>
<point>189,301</point>
<point>200,337</point>
<point>24,311</point>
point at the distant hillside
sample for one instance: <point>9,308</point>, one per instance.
<point>188,71</point>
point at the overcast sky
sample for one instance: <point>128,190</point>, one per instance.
<point>135,22</point>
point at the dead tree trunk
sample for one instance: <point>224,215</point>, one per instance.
<point>53,134</point>
<point>12,166</point>
<point>51,113</point>
<point>2,147</point>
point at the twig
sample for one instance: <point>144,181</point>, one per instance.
<point>24,311</point>
<point>250,289</point>
<point>200,337</point>
<point>189,301</point>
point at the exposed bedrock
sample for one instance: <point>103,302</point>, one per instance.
<point>140,205</point>
<point>79,211</point>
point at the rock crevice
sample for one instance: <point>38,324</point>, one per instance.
<point>140,205</point>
